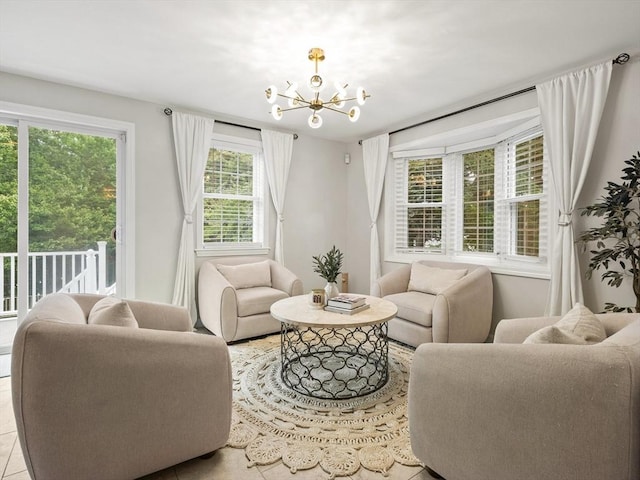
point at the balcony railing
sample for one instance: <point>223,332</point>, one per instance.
<point>49,272</point>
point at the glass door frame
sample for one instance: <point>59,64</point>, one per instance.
<point>123,132</point>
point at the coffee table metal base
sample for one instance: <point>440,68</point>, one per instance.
<point>334,363</point>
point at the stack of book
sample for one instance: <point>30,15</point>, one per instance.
<point>346,304</point>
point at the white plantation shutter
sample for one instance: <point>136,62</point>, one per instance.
<point>502,227</point>
<point>232,203</point>
<point>452,172</point>
<point>477,193</point>
<point>524,210</point>
<point>419,205</point>
<point>400,210</point>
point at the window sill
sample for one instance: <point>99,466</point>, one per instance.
<point>230,252</point>
<point>500,267</point>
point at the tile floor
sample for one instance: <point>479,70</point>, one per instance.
<point>227,463</point>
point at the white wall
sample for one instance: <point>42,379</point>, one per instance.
<point>514,296</point>
<point>316,206</point>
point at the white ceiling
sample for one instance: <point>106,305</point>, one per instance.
<point>417,59</point>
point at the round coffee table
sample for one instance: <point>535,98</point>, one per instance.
<point>333,355</point>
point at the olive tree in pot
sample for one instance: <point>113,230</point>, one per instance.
<point>328,266</point>
<point>617,240</point>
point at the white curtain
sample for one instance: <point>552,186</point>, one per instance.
<point>192,139</point>
<point>278,148</point>
<point>375,152</point>
<point>571,107</point>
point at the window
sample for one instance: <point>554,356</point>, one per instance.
<point>525,180</point>
<point>485,199</point>
<point>421,213</point>
<point>233,204</point>
<point>478,201</point>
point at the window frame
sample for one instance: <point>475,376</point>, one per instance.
<point>458,142</point>
<point>261,203</point>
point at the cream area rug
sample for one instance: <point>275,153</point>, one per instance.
<point>272,422</point>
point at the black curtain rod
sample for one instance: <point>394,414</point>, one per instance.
<point>168,112</point>
<point>619,60</point>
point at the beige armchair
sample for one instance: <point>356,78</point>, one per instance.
<point>116,402</point>
<point>455,310</point>
<point>235,296</point>
<point>534,411</point>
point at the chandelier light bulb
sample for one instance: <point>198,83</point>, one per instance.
<point>336,101</point>
<point>315,83</point>
<point>315,120</point>
<point>361,96</point>
<point>354,114</point>
<point>276,111</point>
<point>272,94</point>
<point>292,94</point>
<point>340,88</point>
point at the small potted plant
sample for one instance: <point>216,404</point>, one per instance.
<point>328,267</point>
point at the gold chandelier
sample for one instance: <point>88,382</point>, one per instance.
<point>315,103</point>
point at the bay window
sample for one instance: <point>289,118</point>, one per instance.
<point>484,201</point>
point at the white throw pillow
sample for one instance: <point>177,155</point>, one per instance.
<point>112,311</point>
<point>247,275</point>
<point>432,280</point>
<point>578,327</point>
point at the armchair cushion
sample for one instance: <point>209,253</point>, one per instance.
<point>414,306</point>
<point>433,280</point>
<point>112,311</point>
<point>253,301</point>
<point>578,327</point>
<point>247,275</point>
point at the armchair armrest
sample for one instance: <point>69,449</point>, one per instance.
<point>113,393</point>
<point>526,411</point>
<point>160,316</point>
<point>396,281</point>
<point>470,302</point>
<point>284,279</point>
<point>217,302</point>
<point>516,330</point>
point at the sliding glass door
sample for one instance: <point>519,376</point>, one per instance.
<point>61,213</point>
<point>72,212</point>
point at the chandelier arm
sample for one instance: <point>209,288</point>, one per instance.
<point>353,98</point>
<point>293,108</point>
<point>333,102</point>
<point>335,110</point>
<point>299,98</point>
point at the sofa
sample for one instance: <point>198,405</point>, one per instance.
<point>443,302</point>
<point>235,295</point>
<point>531,411</point>
<point>105,394</point>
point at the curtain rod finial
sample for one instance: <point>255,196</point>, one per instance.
<point>167,111</point>
<point>622,59</point>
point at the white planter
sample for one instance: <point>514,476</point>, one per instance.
<point>331,289</point>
